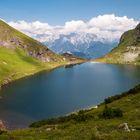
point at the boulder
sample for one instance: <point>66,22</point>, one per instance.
<point>2,127</point>
<point>124,126</point>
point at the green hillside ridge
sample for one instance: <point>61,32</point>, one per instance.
<point>128,50</point>
<point>21,55</point>
<point>88,124</point>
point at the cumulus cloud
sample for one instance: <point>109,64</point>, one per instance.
<point>107,27</point>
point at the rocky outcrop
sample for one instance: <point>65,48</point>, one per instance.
<point>124,126</point>
<point>132,52</point>
<point>2,127</point>
<point>128,50</point>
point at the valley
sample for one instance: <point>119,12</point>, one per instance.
<point>67,96</point>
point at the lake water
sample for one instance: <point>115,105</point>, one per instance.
<point>63,90</point>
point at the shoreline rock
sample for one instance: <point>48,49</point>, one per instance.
<point>2,127</point>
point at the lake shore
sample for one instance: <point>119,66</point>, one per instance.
<point>99,60</point>
<point>71,72</point>
<point>9,80</point>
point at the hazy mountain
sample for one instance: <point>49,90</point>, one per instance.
<point>84,45</point>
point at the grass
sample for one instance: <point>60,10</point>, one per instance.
<point>116,55</point>
<point>15,61</point>
<point>14,64</point>
<point>7,33</point>
<point>93,128</point>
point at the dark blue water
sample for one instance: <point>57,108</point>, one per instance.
<point>63,90</point>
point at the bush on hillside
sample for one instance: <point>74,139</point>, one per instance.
<point>77,117</point>
<point>109,113</point>
<point>135,90</point>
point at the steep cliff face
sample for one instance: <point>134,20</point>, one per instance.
<point>128,50</point>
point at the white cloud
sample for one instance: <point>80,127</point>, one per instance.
<point>108,27</point>
<point>74,26</point>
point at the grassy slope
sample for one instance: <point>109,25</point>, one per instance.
<point>116,55</point>
<point>93,129</point>
<point>14,64</point>
<point>7,33</point>
<point>15,61</point>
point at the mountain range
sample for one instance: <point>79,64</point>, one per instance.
<point>81,44</point>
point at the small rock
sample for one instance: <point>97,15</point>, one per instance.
<point>51,128</point>
<point>133,129</point>
<point>4,63</point>
<point>95,107</point>
<point>48,129</point>
<point>124,126</point>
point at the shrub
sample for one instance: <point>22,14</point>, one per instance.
<point>82,116</point>
<point>77,117</point>
<point>109,113</point>
<point>134,90</point>
<point>118,112</point>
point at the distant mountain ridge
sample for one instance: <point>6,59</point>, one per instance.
<point>81,44</point>
<point>127,51</point>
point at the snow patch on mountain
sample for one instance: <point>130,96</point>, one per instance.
<point>108,27</point>
<point>78,36</point>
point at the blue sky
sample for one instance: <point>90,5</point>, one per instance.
<point>59,11</point>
